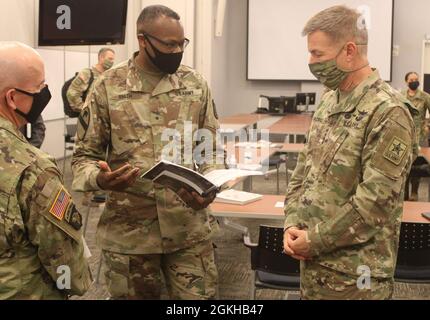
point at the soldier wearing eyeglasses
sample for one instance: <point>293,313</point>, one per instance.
<point>147,229</point>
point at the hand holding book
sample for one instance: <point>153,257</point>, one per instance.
<point>194,200</point>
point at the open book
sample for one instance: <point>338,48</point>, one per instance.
<point>237,197</point>
<point>176,177</point>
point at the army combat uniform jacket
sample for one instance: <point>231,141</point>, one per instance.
<point>79,86</point>
<point>347,188</point>
<point>421,101</point>
<point>126,115</point>
<point>40,239</point>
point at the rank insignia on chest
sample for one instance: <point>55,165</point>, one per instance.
<point>61,204</point>
<point>395,151</point>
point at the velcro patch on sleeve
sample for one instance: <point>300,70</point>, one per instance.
<point>392,151</point>
<point>61,204</point>
<point>73,217</point>
<point>396,150</point>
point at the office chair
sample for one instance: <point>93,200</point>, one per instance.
<point>272,268</point>
<point>413,261</point>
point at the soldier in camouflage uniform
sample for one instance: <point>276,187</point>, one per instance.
<point>40,237</point>
<point>421,101</point>
<point>147,229</point>
<point>37,132</point>
<point>82,83</point>
<point>344,202</point>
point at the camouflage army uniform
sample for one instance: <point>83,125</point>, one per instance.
<point>34,242</point>
<point>79,86</point>
<point>37,132</point>
<point>421,101</point>
<point>347,191</point>
<point>147,227</point>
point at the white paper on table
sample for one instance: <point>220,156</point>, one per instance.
<point>279,204</point>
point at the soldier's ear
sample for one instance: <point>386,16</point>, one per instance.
<point>10,98</point>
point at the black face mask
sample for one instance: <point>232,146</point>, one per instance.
<point>166,62</point>
<point>40,101</point>
<point>414,85</point>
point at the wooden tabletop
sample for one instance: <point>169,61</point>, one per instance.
<point>425,152</point>
<point>243,118</point>
<point>232,127</point>
<point>292,124</point>
<point>265,209</point>
<point>291,147</point>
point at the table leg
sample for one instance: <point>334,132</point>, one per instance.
<point>234,226</point>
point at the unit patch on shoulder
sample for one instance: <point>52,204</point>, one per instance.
<point>395,151</point>
<point>61,204</point>
<point>73,217</point>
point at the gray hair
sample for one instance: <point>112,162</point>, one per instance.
<point>341,24</point>
<point>151,13</point>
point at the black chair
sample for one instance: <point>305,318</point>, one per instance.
<point>420,169</point>
<point>413,261</point>
<point>272,268</point>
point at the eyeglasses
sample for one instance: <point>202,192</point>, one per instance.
<point>171,45</point>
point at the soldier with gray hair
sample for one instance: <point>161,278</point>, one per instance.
<point>41,243</point>
<point>147,229</point>
<point>344,202</point>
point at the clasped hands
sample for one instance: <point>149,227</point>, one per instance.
<point>296,243</point>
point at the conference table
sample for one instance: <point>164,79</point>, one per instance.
<point>270,207</point>
<point>292,125</point>
<point>250,119</point>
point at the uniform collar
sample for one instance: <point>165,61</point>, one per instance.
<point>137,83</point>
<point>353,99</point>
<point>8,126</point>
<point>419,95</point>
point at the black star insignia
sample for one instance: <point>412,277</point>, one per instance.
<point>398,148</point>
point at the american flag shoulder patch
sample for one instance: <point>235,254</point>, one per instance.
<point>61,204</point>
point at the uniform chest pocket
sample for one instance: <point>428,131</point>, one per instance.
<point>129,131</point>
<point>332,148</point>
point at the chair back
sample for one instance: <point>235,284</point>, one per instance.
<point>269,255</point>
<point>414,244</point>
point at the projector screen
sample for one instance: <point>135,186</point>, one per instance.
<point>277,50</point>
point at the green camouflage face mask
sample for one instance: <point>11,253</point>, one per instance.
<point>328,73</point>
<point>107,64</point>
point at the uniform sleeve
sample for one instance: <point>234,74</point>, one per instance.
<point>386,161</point>
<point>76,90</point>
<point>295,184</point>
<point>208,120</point>
<point>37,133</point>
<point>54,228</point>
<point>93,136</point>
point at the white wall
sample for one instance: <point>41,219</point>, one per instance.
<point>233,93</point>
<point>411,24</point>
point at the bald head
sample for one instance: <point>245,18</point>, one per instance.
<point>21,66</point>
